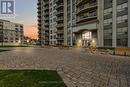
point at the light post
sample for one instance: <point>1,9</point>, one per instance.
<point>27,42</point>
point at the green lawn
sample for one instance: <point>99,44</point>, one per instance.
<point>30,78</point>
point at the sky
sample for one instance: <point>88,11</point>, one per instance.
<point>26,14</point>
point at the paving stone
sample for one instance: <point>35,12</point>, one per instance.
<point>123,83</point>
<point>73,65</point>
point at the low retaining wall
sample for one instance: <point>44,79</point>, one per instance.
<point>122,51</point>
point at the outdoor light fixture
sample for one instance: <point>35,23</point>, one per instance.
<point>19,41</point>
<point>79,42</point>
<point>27,41</point>
<point>93,40</point>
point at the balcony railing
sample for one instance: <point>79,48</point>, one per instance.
<point>60,38</point>
<point>39,3</point>
<point>46,14</point>
<point>46,19</point>
<point>46,8</point>
<point>39,11</point>
<point>39,20</point>
<point>39,7</point>
<point>46,24</point>
<point>39,15</point>
<point>80,2</point>
<point>89,17</point>
<point>59,6</point>
<point>60,19</point>
<point>87,7</point>
<point>59,1</point>
<point>60,25</point>
<point>60,32</point>
<point>60,13</point>
<point>46,3</point>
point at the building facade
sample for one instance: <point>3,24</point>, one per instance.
<point>52,22</point>
<point>84,23</point>
<point>43,21</point>
<point>55,22</point>
<point>71,21</point>
<point>11,33</point>
<point>115,28</point>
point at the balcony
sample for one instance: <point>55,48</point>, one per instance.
<point>60,6</point>
<point>119,2</point>
<point>46,14</point>
<point>60,38</point>
<point>59,1</point>
<point>39,15</point>
<point>90,17</point>
<point>122,24</point>
<point>39,28</point>
<point>39,11</point>
<point>46,8</point>
<point>60,31</point>
<point>123,12</point>
<point>60,19</point>
<point>81,2</point>
<point>39,7</point>
<point>46,3</point>
<point>109,26</point>
<point>39,20</point>
<point>59,13</point>
<point>39,24</point>
<point>60,25</point>
<point>86,8</point>
<point>46,24</point>
<point>39,32</point>
<point>47,38</point>
<point>46,33</point>
<point>107,5</point>
<point>108,16</point>
<point>46,19</point>
<point>39,3</point>
<point>39,36</point>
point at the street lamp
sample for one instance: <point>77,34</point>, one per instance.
<point>27,42</point>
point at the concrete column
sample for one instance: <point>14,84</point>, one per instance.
<point>114,23</point>
<point>65,22</point>
<point>71,7</point>
<point>128,23</point>
<point>100,14</point>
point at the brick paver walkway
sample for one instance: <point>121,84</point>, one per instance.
<point>77,67</point>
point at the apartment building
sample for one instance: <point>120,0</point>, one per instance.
<point>19,37</point>
<point>39,22</point>
<point>86,22</point>
<point>11,33</point>
<point>115,23</point>
<point>99,23</point>
<point>43,21</point>
<point>55,22</point>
